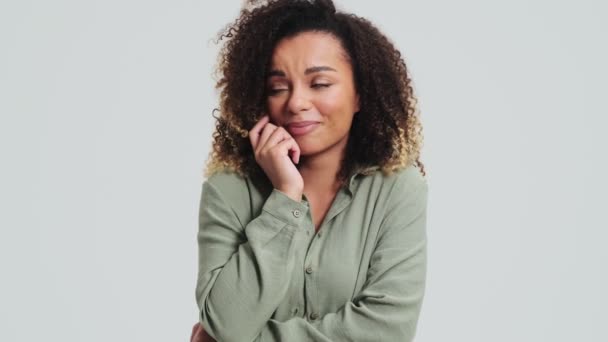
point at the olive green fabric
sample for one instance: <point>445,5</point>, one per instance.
<point>265,275</point>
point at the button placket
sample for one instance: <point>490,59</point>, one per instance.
<point>296,213</point>
<point>309,281</point>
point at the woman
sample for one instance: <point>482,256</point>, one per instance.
<point>312,221</point>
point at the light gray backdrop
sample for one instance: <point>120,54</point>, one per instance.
<point>106,123</point>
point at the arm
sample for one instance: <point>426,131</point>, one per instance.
<point>388,306</point>
<point>242,278</point>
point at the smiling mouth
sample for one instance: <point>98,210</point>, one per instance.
<point>297,129</point>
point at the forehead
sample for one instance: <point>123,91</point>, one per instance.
<point>307,49</point>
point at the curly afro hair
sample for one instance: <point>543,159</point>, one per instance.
<point>386,133</point>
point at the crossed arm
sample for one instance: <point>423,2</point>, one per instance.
<point>241,283</point>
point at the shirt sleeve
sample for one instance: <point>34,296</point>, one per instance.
<point>243,271</point>
<point>388,306</point>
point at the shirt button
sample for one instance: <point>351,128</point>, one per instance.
<point>314,315</point>
<point>296,213</point>
<point>309,270</point>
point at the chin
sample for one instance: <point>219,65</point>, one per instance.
<point>307,148</point>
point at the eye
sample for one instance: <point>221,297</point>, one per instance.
<point>320,85</point>
<point>272,92</point>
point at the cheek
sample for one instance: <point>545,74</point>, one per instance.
<point>271,105</point>
<point>336,108</point>
<point>274,110</point>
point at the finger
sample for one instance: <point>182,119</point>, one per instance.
<point>266,132</point>
<point>282,134</point>
<point>276,137</point>
<point>295,153</point>
<point>254,133</point>
<point>290,145</point>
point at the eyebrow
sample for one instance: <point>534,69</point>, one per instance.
<point>276,72</point>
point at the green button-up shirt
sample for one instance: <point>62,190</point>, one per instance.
<point>264,274</point>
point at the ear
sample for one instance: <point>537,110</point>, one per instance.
<point>358,103</point>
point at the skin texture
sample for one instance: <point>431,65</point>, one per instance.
<point>326,96</point>
<point>272,145</point>
<point>386,131</point>
<point>311,79</point>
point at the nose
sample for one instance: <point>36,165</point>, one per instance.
<point>298,100</point>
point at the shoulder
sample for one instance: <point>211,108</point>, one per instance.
<point>409,189</point>
<point>408,179</point>
<point>408,194</point>
<point>400,195</point>
<point>399,183</point>
<point>405,205</point>
<point>229,187</point>
<point>226,179</point>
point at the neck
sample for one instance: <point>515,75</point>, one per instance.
<point>319,171</point>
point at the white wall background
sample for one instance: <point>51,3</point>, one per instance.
<point>106,123</point>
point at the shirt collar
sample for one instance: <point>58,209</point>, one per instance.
<point>359,170</point>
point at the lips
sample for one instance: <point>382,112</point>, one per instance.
<point>301,127</point>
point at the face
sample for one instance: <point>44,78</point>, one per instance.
<point>311,82</point>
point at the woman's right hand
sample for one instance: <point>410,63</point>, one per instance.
<point>273,146</point>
